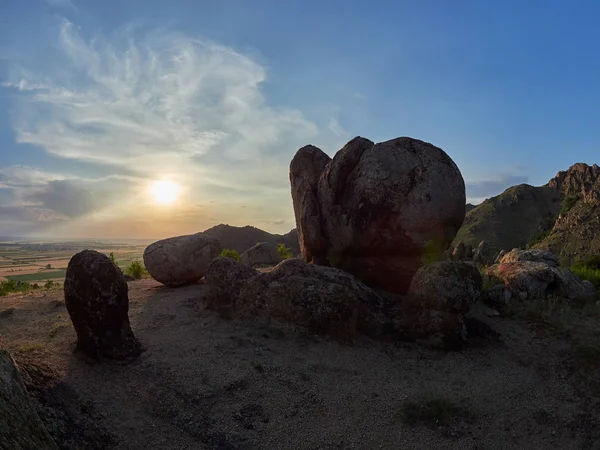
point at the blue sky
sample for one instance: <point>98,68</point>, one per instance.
<point>100,99</point>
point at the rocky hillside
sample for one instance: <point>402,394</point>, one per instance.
<point>242,238</point>
<point>563,215</point>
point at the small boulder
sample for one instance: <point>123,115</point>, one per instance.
<point>20,425</point>
<point>459,252</point>
<point>96,297</point>
<point>224,280</point>
<point>498,297</point>
<point>483,254</point>
<point>527,279</point>
<point>263,254</point>
<point>534,255</point>
<point>445,286</point>
<point>571,287</point>
<point>181,259</point>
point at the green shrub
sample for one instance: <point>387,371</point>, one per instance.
<point>231,253</point>
<point>8,286</point>
<point>111,256</point>
<point>50,284</point>
<point>587,273</point>
<point>284,252</point>
<point>136,270</point>
<point>568,203</point>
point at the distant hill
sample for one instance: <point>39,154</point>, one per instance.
<point>242,238</point>
<point>563,215</point>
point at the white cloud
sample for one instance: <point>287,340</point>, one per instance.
<point>162,104</point>
<point>156,103</point>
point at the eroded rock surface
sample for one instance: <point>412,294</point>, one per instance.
<point>96,297</point>
<point>20,425</point>
<point>181,260</point>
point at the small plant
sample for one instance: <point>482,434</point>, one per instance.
<point>9,286</point>
<point>56,328</point>
<point>231,253</point>
<point>284,252</point>
<point>136,270</point>
<point>32,347</point>
<point>568,203</point>
<point>588,269</point>
<point>433,412</point>
<point>111,256</point>
<point>50,284</point>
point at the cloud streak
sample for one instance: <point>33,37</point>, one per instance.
<point>157,104</point>
<point>478,191</point>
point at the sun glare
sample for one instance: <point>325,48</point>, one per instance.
<point>165,192</point>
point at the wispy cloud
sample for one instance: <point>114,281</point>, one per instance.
<point>479,190</point>
<point>159,104</point>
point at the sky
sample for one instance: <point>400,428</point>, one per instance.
<point>109,110</point>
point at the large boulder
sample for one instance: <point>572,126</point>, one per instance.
<point>378,211</point>
<point>96,297</point>
<point>20,425</point>
<point>261,255</point>
<point>535,255</point>
<point>181,260</point>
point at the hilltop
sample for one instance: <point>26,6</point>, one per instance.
<point>242,238</point>
<point>563,215</point>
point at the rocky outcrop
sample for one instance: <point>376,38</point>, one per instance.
<point>182,259</point>
<point>563,216</point>
<point>20,425</point>
<point>534,255</point>
<point>378,211</point>
<point>330,301</point>
<point>262,254</point>
<point>529,274</point>
<point>96,297</point>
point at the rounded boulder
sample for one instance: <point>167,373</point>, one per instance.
<point>96,297</point>
<point>181,260</point>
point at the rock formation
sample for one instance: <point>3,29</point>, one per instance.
<point>20,425</point>
<point>96,297</point>
<point>262,254</point>
<point>534,274</point>
<point>333,302</point>
<point>182,259</point>
<point>378,211</point>
<point>563,216</point>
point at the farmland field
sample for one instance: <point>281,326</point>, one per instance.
<point>41,261</point>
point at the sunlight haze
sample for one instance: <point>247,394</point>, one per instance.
<point>100,99</point>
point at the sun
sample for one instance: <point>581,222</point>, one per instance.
<point>165,192</point>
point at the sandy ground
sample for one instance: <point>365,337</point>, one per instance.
<point>206,382</point>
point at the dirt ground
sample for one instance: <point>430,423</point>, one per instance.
<point>207,382</point>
